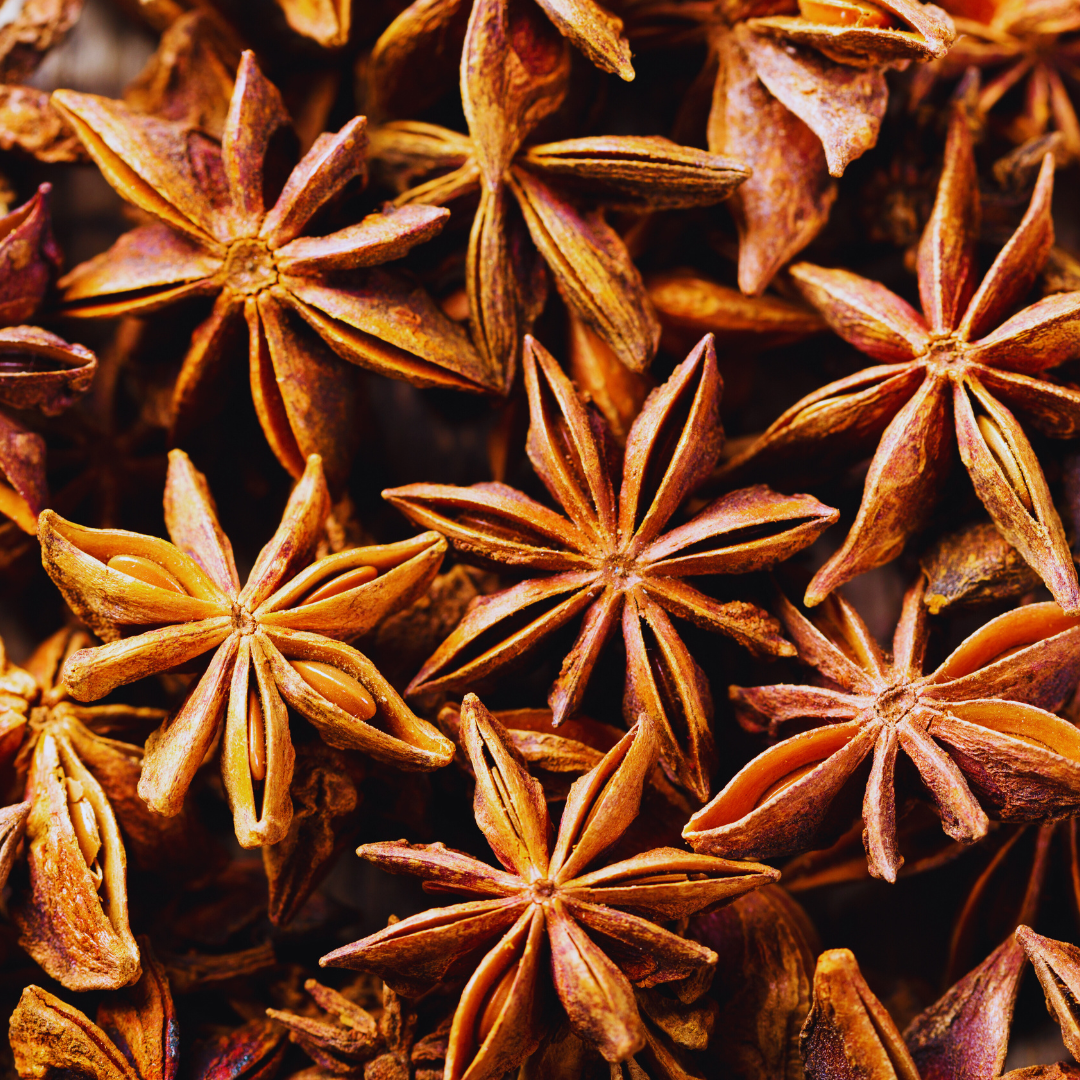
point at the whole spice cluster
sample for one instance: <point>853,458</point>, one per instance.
<point>613,468</point>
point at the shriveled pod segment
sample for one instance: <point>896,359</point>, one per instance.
<point>544,916</point>
<point>966,373</point>
<point>608,557</point>
<point>848,1034</point>
<point>74,919</point>
<point>277,642</point>
<point>1057,963</point>
<point>977,731</point>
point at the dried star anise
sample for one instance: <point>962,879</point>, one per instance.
<point>795,97</point>
<point>1031,47</point>
<point>428,36</point>
<point>276,641</point>
<point>515,73</point>
<point>612,559</point>
<point>135,1037</point>
<point>309,302</point>
<point>976,730</point>
<point>600,924</point>
<point>38,371</point>
<point>957,367</point>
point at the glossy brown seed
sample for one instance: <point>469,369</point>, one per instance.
<point>334,685</point>
<point>146,570</point>
<point>256,727</point>
<point>342,583</point>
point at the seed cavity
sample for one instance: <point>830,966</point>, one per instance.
<point>146,571</point>
<point>1003,455</point>
<point>87,833</point>
<point>496,999</point>
<point>256,733</point>
<point>785,782</point>
<point>847,13</point>
<point>351,579</point>
<point>334,685</point>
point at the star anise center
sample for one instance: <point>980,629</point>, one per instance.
<point>540,892</point>
<point>243,621</point>
<point>895,703</point>
<point>620,571</point>
<point>945,353</point>
<point>249,266</point>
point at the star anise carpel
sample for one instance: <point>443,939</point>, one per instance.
<point>977,730</point>
<point>554,915</point>
<point>612,558</point>
<point>960,375</point>
<point>308,302</point>
<point>277,642</point>
<point>546,196</point>
<point>797,97</point>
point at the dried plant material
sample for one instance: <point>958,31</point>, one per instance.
<point>74,919</point>
<point>612,560</point>
<point>135,1037</point>
<point>276,641</point>
<point>326,21</point>
<point>951,376</point>
<point>547,894</point>
<point>1058,966</point>
<point>30,125</point>
<point>324,823</point>
<point>975,565</point>
<point>197,971</point>
<point>189,79</point>
<point>1027,53</point>
<point>311,304</point>
<point>514,73</point>
<point>764,934</point>
<point>251,1052</point>
<point>795,97</point>
<point>29,31</point>
<point>965,1033</point>
<point>689,305</point>
<point>351,1042</point>
<point>848,1034</point>
<point>976,729</point>
<point>429,35</point>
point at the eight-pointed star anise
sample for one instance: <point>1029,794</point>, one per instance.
<point>547,918</point>
<point>610,555</point>
<point>957,367</point>
<point>796,97</point>
<point>277,641</point>
<point>309,302</point>
<point>514,73</point>
<point>976,730</point>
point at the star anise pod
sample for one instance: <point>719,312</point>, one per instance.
<point>611,559</point>
<point>428,36</point>
<point>547,898</point>
<point>514,73</point>
<point>328,22</point>
<point>278,640</point>
<point>39,372</point>
<point>976,730</point>
<point>797,97</point>
<point>957,367</point>
<point>135,1037</point>
<point>309,303</point>
<point>1027,49</point>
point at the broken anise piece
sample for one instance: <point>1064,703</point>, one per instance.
<point>277,641</point>
<point>547,897</point>
<point>611,559</point>
<point>976,729</point>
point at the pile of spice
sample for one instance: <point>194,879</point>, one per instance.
<point>539,539</point>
